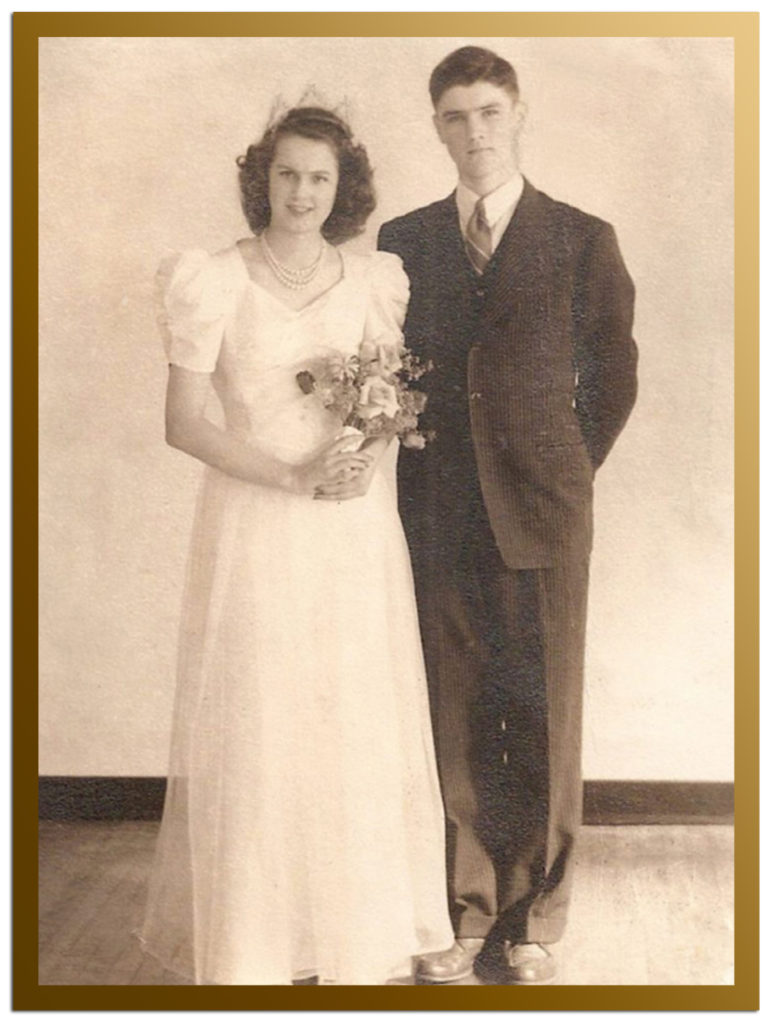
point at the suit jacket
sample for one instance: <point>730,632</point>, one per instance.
<point>534,378</point>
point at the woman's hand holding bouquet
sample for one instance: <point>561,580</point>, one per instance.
<point>370,393</point>
<point>333,464</point>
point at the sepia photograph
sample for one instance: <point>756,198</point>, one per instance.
<point>386,514</point>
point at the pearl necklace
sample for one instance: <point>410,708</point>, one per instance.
<point>291,277</point>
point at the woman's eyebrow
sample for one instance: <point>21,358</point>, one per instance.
<point>290,167</point>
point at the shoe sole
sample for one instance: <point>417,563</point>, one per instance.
<point>526,984</point>
<point>424,980</point>
<point>490,978</point>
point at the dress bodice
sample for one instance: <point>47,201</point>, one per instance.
<point>215,319</point>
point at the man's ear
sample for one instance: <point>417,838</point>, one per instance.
<point>520,114</point>
<point>438,127</point>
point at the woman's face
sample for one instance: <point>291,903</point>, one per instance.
<point>302,184</point>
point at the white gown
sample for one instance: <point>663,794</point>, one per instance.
<point>303,827</point>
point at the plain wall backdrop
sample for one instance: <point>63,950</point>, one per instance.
<point>138,140</point>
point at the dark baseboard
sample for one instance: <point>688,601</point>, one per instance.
<point>100,798</point>
<point>606,801</point>
<point>624,802</point>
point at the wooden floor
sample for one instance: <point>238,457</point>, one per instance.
<point>652,905</point>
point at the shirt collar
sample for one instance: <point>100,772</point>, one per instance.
<point>502,200</point>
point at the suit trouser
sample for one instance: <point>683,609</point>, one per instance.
<point>505,651</point>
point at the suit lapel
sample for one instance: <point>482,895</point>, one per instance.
<point>451,262</point>
<point>519,263</point>
<point>448,277</point>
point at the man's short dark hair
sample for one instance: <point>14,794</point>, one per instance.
<point>471,64</point>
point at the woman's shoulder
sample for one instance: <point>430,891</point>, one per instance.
<point>373,262</point>
<point>191,273</point>
<point>386,287</point>
<point>382,270</point>
<point>202,261</point>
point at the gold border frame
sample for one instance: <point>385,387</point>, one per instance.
<point>27,29</point>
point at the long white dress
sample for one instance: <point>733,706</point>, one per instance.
<point>303,827</point>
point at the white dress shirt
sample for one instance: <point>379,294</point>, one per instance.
<point>499,206</point>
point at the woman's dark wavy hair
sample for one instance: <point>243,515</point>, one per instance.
<point>355,197</point>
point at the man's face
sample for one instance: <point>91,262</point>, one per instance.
<point>480,125</point>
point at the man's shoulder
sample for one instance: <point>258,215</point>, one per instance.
<point>412,225</point>
<point>571,218</point>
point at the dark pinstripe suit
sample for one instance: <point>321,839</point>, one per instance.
<point>535,375</point>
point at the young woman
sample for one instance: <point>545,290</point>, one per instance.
<point>303,827</point>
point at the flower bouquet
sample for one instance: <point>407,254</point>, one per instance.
<point>370,391</point>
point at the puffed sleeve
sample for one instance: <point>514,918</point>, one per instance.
<point>388,302</point>
<point>193,303</point>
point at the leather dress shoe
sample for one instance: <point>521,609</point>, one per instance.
<point>509,963</point>
<point>449,964</point>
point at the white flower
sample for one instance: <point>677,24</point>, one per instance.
<point>377,396</point>
<point>414,440</point>
<point>387,356</point>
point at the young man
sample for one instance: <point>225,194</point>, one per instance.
<point>525,308</point>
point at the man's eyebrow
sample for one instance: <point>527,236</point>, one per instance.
<point>494,105</point>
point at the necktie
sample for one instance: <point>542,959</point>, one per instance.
<point>479,247</point>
